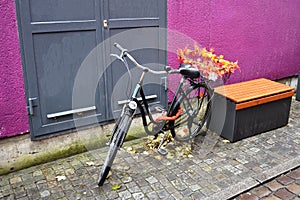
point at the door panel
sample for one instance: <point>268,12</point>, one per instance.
<point>134,8</point>
<point>56,38</point>
<point>57,69</point>
<point>135,24</point>
<point>62,10</point>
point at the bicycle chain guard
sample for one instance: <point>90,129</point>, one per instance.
<point>172,118</point>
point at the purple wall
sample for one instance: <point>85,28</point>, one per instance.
<point>13,114</point>
<point>264,36</point>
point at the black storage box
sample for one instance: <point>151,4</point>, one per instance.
<point>245,109</point>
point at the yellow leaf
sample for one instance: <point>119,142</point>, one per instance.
<point>169,156</point>
<point>108,175</point>
<point>226,141</point>
<point>115,187</point>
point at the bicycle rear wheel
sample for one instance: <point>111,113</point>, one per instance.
<point>119,134</point>
<point>195,104</point>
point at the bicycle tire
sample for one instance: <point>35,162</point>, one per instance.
<point>195,105</point>
<point>106,167</point>
<point>119,135</point>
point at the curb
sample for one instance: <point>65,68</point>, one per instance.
<point>252,182</point>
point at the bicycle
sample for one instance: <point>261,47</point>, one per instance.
<point>184,117</point>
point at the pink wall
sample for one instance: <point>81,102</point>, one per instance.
<point>13,114</point>
<point>264,36</point>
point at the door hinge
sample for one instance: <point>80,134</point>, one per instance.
<point>105,23</point>
<point>30,105</point>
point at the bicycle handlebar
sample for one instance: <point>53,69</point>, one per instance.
<point>120,47</point>
<point>124,53</point>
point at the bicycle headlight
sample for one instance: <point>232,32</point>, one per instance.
<point>132,105</point>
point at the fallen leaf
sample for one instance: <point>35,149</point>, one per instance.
<point>108,175</point>
<point>131,150</point>
<point>90,163</point>
<point>115,187</point>
<point>157,157</point>
<point>225,141</point>
<point>60,178</point>
<point>170,156</point>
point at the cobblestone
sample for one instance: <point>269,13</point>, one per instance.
<point>282,187</point>
<point>294,175</point>
<point>217,170</point>
<point>273,185</point>
<point>261,191</point>
<point>248,196</point>
<point>285,180</point>
<point>284,194</point>
<point>294,188</point>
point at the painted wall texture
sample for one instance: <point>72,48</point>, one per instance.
<point>13,114</point>
<point>264,36</point>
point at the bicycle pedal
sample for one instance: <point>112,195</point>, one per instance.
<point>162,151</point>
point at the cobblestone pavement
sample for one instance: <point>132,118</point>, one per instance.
<point>285,186</point>
<point>217,170</point>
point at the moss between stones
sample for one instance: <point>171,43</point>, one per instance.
<point>29,160</point>
<point>135,133</point>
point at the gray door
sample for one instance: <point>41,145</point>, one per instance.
<point>56,36</point>
<point>137,25</point>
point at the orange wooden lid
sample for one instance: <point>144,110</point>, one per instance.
<point>254,89</point>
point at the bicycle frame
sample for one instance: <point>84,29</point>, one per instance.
<point>139,90</point>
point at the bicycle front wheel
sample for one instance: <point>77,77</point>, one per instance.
<point>195,104</point>
<point>108,163</point>
<point>119,134</point>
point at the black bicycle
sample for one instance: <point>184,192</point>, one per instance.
<point>184,117</point>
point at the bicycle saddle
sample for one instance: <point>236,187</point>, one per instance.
<point>189,71</point>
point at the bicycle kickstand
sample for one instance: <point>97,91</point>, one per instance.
<point>161,150</point>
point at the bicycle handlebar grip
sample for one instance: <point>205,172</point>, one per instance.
<point>120,47</point>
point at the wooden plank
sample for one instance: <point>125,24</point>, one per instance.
<point>250,90</point>
<point>259,101</point>
<point>253,90</point>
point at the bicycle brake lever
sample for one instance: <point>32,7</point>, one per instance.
<point>117,56</point>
